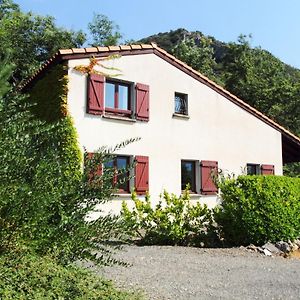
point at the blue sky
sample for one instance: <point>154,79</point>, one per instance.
<point>274,24</point>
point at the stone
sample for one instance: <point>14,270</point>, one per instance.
<point>295,247</point>
<point>251,247</point>
<point>267,252</point>
<point>272,248</point>
<point>283,246</point>
<point>260,249</point>
<point>297,242</point>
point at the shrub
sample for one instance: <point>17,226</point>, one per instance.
<point>257,209</point>
<point>173,221</point>
<point>32,277</point>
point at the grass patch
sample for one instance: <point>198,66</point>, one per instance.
<point>32,277</point>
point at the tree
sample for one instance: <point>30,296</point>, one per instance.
<point>32,39</point>
<point>104,31</point>
<point>198,54</point>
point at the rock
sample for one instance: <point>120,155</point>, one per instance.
<point>272,248</point>
<point>260,250</point>
<point>283,246</point>
<point>295,247</point>
<point>297,242</point>
<point>267,252</point>
<point>251,247</point>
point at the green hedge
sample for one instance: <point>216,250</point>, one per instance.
<point>257,209</point>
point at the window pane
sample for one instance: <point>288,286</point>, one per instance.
<point>109,95</point>
<point>122,163</point>
<point>109,164</point>
<point>123,97</point>
<point>180,104</point>
<point>252,169</point>
<point>188,175</point>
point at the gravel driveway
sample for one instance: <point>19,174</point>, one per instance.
<point>194,273</point>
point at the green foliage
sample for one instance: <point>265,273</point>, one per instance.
<point>200,56</point>
<point>5,74</point>
<point>104,31</point>
<point>32,277</point>
<point>50,104</point>
<point>292,170</point>
<point>45,197</point>
<point>257,209</point>
<point>173,221</point>
<point>32,39</point>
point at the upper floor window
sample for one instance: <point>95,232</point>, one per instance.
<point>117,97</point>
<point>181,104</point>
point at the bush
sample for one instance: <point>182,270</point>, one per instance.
<point>32,277</point>
<point>257,209</point>
<point>173,221</point>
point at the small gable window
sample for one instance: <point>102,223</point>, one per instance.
<point>181,103</point>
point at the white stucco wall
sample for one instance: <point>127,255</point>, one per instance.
<point>216,130</point>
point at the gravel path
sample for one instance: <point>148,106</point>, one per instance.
<point>193,273</point>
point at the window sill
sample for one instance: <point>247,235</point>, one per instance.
<point>116,117</point>
<point>180,116</point>
<point>122,195</point>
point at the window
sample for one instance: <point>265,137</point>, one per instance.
<point>188,174</point>
<point>117,97</point>
<point>253,169</point>
<point>181,104</point>
<point>120,164</point>
<point>120,170</point>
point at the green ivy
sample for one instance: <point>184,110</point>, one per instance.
<point>49,94</point>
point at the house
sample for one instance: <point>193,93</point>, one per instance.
<point>188,125</point>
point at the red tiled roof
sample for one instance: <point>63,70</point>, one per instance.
<point>75,53</point>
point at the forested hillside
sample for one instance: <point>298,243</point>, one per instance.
<point>251,73</point>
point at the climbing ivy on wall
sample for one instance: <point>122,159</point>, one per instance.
<point>48,98</point>
<point>49,95</point>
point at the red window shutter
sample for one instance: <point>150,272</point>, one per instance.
<point>142,174</point>
<point>209,169</point>
<point>142,102</point>
<point>267,169</point>
<point>95,101</point>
